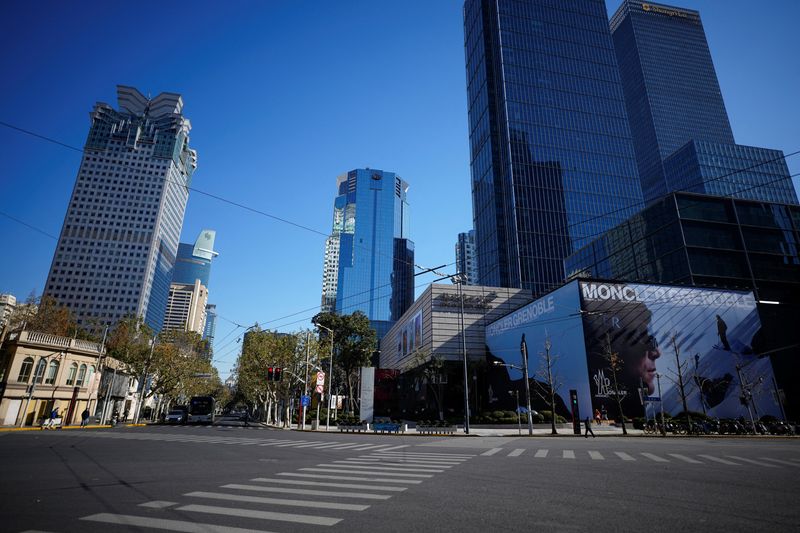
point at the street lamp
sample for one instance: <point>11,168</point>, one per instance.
<point>524,370</point>
<point>458,279</point>
<point>330,380</point>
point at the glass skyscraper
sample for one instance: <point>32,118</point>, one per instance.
<point>551,155</point>
<point>117,247</point>
<point>369,260</point>
<point>194,260</point>
<point>466,262</point>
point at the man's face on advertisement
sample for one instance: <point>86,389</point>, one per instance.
<point>647,365</point>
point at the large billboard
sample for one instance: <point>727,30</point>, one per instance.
<point>556,318</point>
<point>654,330</point>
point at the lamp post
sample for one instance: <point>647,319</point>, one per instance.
<point>458,279</point>
<point>524,370</point>
<point>330,380</point>
<point>661,405</point>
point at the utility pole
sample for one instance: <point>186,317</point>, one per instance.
<point>680,383</point>
<point>305,383</point>
<point>547,346</point>
<point>460,277</point>
<point>523,348</point>
<point>747,395</point>
<point>144,381</point>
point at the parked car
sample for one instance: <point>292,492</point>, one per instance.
<point>176,416</point>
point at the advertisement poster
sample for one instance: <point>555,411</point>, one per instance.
<point>557,318</point>
<point>409,339</point>
<point>655,329</point>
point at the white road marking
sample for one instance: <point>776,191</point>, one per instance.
<point>292,443</point>
<point>264,515</point>
<point>418,460</point>
<point>516,453</point>
<point>624,456</point>
<point>158,504</point>
<point>324,484</point>
<point>684,458</point>
<point>654,457</point>
<point>568,454</point>
<point>308,492</point>
<point>277,501</point>
<point>751,461</point>
<point>396,447</point>
<point>364,462</point>
<point>780,461</point>
<point>163,523</point>
<point>492,451</point>
<point>718,460</point>
<point>361,472</point>
<point>596,456</point>
<point>541,454</point>
<point>349,478</point>
<point>377,469</point>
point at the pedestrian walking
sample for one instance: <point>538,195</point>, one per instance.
<point>85,417</point>
<point>597,416</point>
<point>603,414</point>
<point>53,416</point>
<point>588,425</point>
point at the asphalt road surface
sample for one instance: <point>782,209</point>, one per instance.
<point>233,480</point>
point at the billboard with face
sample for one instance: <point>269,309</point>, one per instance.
<point>409,339</point>
<point>652,330</point>
<point>555,318</point>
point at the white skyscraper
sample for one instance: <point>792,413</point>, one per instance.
<point>186,307</point>
<point>119,240</point>
<point>466,261</point>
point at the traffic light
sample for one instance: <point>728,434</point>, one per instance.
<point>278,374</point>
<point>270,374</point>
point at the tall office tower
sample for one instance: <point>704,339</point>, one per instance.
<point>194,260</point>
<point>117,246</point>
<point>551,156</point>
<point>186,307</point>
<point>466,262</point>
<point>369,260</point>
<point>681,132</point>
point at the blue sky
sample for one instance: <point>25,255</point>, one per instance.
<point>283,97</point>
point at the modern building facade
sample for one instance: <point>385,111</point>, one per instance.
<point>210,331</point>
<point>116,251</point>
<point>369,258</point>
<point>551,155</point>
<point>734,170</point>
<point>715,242</point>
<point>466,262</point>
<point>186,307</point>
<point>194,260</point>
<point>671,88</point>
<point>8,302</point>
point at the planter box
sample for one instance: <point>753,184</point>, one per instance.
<point>353,428</point>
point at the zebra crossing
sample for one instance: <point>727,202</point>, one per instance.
<point>234,441</point>
<point>628,457</point>
<point>320,495</point>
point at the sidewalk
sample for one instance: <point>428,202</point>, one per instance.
<point>539,430</point>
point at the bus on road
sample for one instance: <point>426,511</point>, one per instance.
<point>201,410</point>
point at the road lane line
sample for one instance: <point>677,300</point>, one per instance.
<point>718,460</point>
<point>406,453</point>
<point>375,446</point>
<point>780,461</point>
<point>308,492</point>
<point>366,462</point>
<point>568,454</point>
<point>362,472</point>
<point>158,504</point>
<point>492,451</point>
<point>684,458</point>
<point>325,484</point>
<point>624,456</point>
<point>345,464</point>
<point>541,454</point>
<point>596,456</point>
<point>277,501</point>
<point>291,443</point>
<point>751,461</point>
<point>264,515</point>
<point>163,523</point>
<point>350,478</point>
<point>396,447</point>
<point>396,460</point>
<point>516,453</point>
<point>654,457</point>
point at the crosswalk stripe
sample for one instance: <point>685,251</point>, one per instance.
<point>163,523</point>
<point>751,461</point>
<point>624,456</point>
<point>654,457</point>
<point>365,462</point>
<point>596,456</point>
<point>541,454</point>
<point>362,447</point>
<point>718,460</point>
<point>313,445</point>
<point>277,501</point>
<point>375,446</point>
<point>264,515</point>
<point>158,504</point>
<point>347,464</point>
<point>342,446</point>
<point>308,492</point>
<point>414,458</point>
<point>419,460</point>
<point>568,454</point>
<point>780,461</point>
<point>361,472</point>
<point>350,478</point>
<point>325,484</point>
<point>291,443</point>
<point>433,454</point>
<point>516,453</point>
<point>396,447</point>
<point>492,451</point>
<point>684,458</point>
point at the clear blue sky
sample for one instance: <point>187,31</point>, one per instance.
<point>283,97</point>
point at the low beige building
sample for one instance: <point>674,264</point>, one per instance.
<point>39,371</point>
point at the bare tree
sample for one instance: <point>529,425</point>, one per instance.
<point>547,362</point>
<point>429,369</point>
<point>615,366</point>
